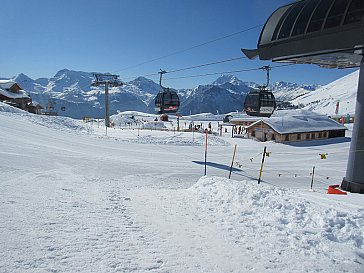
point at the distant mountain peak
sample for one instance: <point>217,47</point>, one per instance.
<point>141,78</point>
<point>23,78</point>
<point>228,78</point>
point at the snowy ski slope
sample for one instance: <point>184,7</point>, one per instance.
<point>75,200</point>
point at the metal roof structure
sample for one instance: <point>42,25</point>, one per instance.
<point>329,33</point>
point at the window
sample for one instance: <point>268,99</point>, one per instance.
<point>313,136</point>
<point>355,12</point>
<point>278,27</point>
<point>273,137</point>
<point>336,13</point>
<point>319,15</point>
<point>320,135</point>
<point>325,134</point>
<point>290,20</point>
<point>286,137</point>
<point>298,136</point>
<point>303,18</point>
<point>307,136</point>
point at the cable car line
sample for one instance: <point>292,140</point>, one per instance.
<point>202,65</point>
<point>225,72</point>
<point>195,66</point>
<point>190,48</point>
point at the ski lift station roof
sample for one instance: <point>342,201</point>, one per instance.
<point>329,33</point>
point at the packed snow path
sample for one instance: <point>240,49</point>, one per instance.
<point>76,202</point>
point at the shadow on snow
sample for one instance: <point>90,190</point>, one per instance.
<point>217,165</point>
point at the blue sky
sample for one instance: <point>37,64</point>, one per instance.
<point>40,37</point>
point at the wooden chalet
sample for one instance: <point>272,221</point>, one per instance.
<point>290,125</point>
<point>12,94</point>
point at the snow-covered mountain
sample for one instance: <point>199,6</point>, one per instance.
<point>72,91</point>
<point>73,95</point>
<point>288,91</point>
<point>324,99</point>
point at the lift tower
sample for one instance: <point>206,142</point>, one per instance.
<point>106,80</point>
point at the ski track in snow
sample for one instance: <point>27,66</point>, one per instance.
<point>74,202</point>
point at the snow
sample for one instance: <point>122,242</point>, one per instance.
<point>324,99</point>
<point>7,108</point>
<point>74,199</point>
<point>291,121</point>
<point>7,84</point>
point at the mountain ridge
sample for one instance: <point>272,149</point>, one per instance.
<point>72,91</point>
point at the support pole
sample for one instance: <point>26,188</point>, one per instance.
<point>354,179</point>
<point>177,123</point>
<point>107,109</point>
<point>261,166</point>
<point>206,152</point>
<point>193,133</point>
<point>313,174</point>
<point>232,161</point>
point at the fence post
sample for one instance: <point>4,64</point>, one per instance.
<point>232,162</point>
<point>261,166</point>
<point>313,173</point>
<point>206,151</point>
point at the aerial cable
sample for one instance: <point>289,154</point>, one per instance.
<point>192,47</point>
<point>195,66</point>
<point>202,65</point>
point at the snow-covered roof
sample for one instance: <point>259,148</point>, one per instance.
<point>12,95</point>
<point>35,104</point>
<point>243,117</point>
<point>5,86</point>
<point>298,122</point>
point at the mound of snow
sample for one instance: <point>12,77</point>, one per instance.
<point>121,120</point>
<point>9,109</point>
<point>296,229</point>
<point>154,125</point>
<point>178,139</point>
<point>54,122</point>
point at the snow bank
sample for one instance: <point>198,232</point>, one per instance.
<point>53,122</point>
<point>159,137</point>
<point>122,120</point>
<point>305,235</point>
<point>154,125</point>
<point>9,109</point>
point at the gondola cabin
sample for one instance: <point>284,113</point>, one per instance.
<point>167,101</point>
<point>260,103</point>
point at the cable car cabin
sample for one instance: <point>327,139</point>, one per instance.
<point>167,101</point>
<point>260,103</point>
